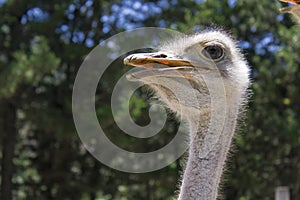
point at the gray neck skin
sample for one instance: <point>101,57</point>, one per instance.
<point>202,176</point>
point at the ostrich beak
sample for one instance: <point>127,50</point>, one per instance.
<point>149,60</point>
<point>161,64</point>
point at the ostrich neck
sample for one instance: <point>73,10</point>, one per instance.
<point>202,175</point>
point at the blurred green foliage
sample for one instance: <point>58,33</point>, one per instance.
<point>42,46</point>
<point>28,67</point>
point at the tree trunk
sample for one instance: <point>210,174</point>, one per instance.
<point>9,134</point>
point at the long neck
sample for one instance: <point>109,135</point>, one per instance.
<point>202,175</point>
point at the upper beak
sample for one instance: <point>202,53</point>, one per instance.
<point>150,60</point>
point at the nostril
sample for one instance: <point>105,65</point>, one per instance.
<point>160,56</point>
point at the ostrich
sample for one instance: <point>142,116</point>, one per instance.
<point>210,56</point>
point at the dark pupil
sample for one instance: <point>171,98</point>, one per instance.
<point>213,52</point>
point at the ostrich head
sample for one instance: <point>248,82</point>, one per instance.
<point>181,68</point>
<point>202,77</point>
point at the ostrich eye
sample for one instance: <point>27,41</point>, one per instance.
<point>213,51</point>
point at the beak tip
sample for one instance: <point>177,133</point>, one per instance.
<point>126,60</point>
<point>132,60</point>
